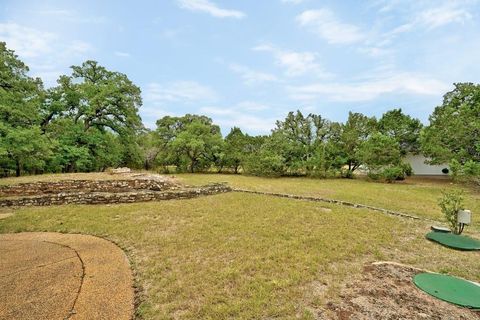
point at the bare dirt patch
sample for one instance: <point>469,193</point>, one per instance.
<point>386,291</point>
<point>5,215</point>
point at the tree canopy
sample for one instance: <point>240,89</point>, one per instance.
<point>454,129</point>
<point>403,128</point>
<point>21,142</point>
<point>90,121</point>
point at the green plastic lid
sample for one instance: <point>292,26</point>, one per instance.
<point>454,240</point>
<point>451,289</point>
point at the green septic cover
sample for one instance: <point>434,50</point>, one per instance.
<point>451,289</point>
<point>454,240</point>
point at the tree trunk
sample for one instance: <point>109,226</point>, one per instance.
<point>17,168</point>
<point>192,166</point>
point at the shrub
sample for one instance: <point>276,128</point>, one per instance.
<point>374,175</point>
<point>455,168</point>
<point>392,174</point>
<point>469,172</point>
<point>471,169</point>
<point>345,173</point>
<point>450,203</point>
<point>407,169</point>
<point>265,164</point>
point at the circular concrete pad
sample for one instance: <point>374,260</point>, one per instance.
<point>63,276</point>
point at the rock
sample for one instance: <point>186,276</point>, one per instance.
<point>120,170</point>
<point>142,192</point>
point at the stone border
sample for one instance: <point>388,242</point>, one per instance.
<point>339,202</point>
<point>120,185</point>
<point>146,193</point>
<point>111,198</point>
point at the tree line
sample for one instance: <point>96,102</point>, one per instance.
<point>90,122</point>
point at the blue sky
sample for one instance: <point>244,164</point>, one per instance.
<point>247,63</point>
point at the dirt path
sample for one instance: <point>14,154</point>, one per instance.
<point>63,276</point>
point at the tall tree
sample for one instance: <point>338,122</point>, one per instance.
<point>101,109</point>
<point>236,143</point>
<point>403,128</point>
<point>299,137</point>
<point>355,131</point>
<point>379,151</point>
<point>192,140</point>
<point>150,147</point>
<point>454,129</point>
<point>96,97</point>
<point>21,142</point>
<point>269,159</point>
<point>196,142</point>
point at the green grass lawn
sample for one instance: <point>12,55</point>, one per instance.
<point>416,196</point>
<point>248,256</point>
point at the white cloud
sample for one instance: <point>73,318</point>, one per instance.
<point>295,63</point>
<point>324,23</point>
<point>78,47</point>
<point>252,106</point>
<point>122,54</point>
<point>150,114</point>
<point>417,17</point>
<point>440,16</point>
<point>161,99</point>
<point>27,42</point>
<point>370,88</point>
<point>50,67</point>
<point>235,117</point>
<point>178,91</point>
<point>375,51</point>
<point>47,54</point>
<point>210,8</point>
<point>250,76</point>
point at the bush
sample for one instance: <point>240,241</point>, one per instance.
<point>469,172</point>
<point>265,164</point>
<point>374,175</point>
<point>392,174</point>
<point>471,169</point>
<point>407,169</point>
<point>450,203</point>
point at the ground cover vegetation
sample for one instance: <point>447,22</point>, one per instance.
<point>238,255</point>
<point>247,256</point>
<point>90,122</point>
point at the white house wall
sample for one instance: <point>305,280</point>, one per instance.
<point>417,161</point>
